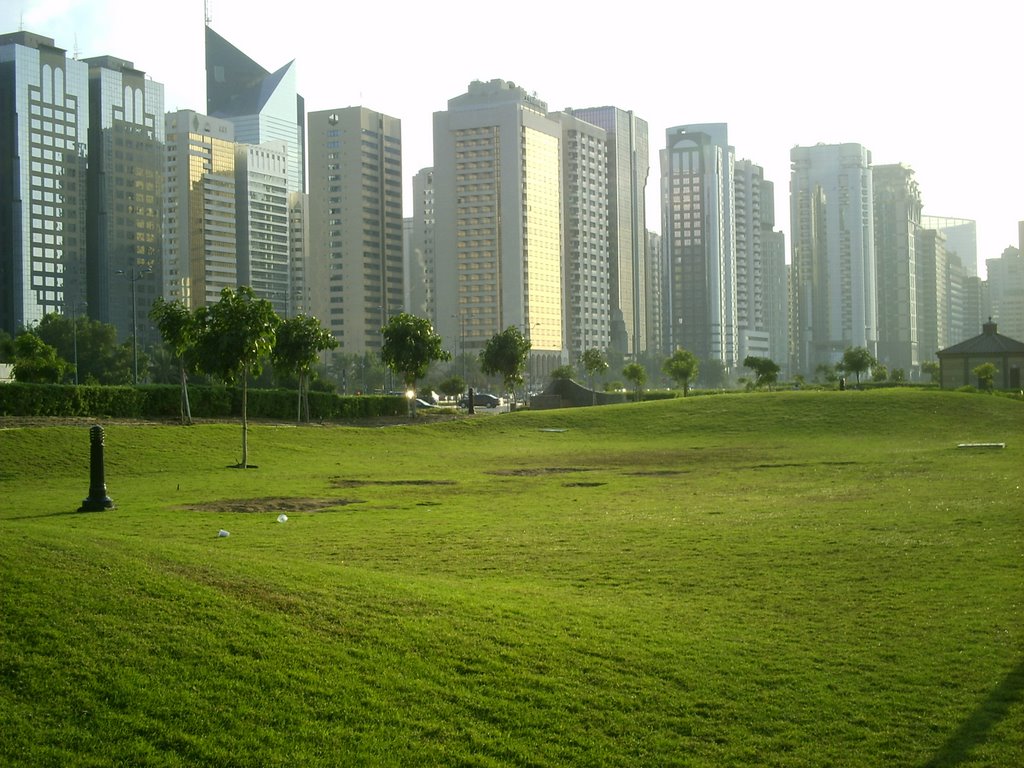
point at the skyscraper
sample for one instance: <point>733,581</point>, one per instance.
<point>897,220</point>
<point>629,164</point>
<point>200,227</point>
<point>421,247</point>
<point>44,121</point>
<point>832,275</point>
<point>498,223</point>
<point>355,262</point>
<point>262,106</point>
<point>699,238</point>
<point>585,248</point>
<point>125,191</point>
<point>262,231</point>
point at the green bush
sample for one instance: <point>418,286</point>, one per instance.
<point>162,401</point>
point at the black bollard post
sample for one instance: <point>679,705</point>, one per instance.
<point>471,404</point>
<point>98,499</point>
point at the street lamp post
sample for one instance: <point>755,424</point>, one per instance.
<point>134,275</point>
<point>74,334</point>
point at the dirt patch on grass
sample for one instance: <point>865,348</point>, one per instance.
<point>271,504</point>
<point>582,485</point>
<point>341,482</point>
<point>536,471</point>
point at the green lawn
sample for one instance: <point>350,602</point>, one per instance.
<point>779,579</point>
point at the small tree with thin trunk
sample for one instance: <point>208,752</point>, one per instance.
<point>177,326</point>
<point>505,354</point>
<point>857,360</point>
<point>766,370</point>
<point>682,367</point>
<point>410,346</point>
<point>594,363</point>
<point>300,340</point>
<point>636,374</point>
<point>234,337</point>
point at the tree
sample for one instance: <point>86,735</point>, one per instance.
<point>298,345</point>
<point>505,355</point>
<point>234,337</point>
<point>36,362</point>
<point>879,372</point>
<point>765,370</point>
<point>6,347</point>
<point>681,368</point>
<point>986,373</point>
<point>178,328</point>
<point>410,346</point>
<point>933,369</point>
<point>453,386</point>
<point>827,373</point>
<point>857,360</point>
<point>91,344</point>
<point>567,371</point>
<point>897,376</point>
<point>637,375</point>
<point>594,363</point>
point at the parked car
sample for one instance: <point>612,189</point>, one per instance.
<point>481,400</point>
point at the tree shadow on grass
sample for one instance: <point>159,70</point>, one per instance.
<point>975,729</point>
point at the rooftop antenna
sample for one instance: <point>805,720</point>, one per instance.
<point>77,53</point>
<point>206,12</point>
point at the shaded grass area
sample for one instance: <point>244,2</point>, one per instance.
<point>778,579</point>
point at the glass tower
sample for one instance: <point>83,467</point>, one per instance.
<point>44,120</point>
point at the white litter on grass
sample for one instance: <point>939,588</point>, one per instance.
<point>222,534</point>
<point>282,518</point>
<point>552,429</point>
<point>981,445</point>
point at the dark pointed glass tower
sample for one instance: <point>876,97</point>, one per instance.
<point>263,106</point>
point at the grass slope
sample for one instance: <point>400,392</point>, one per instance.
<point>784,579</point>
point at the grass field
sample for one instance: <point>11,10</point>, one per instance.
<point>779,579</point>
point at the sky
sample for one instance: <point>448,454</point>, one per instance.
<point>931,84</point>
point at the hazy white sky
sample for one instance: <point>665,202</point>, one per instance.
<point>933,84</point>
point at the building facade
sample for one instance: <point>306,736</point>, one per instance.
<point>262,232</point>
<point>420,259</point>
<point>832,274</point>
<point>497,238</point>
<point>125,197</point>
<point>586,236</point>
<point>699,238</point>
<point>897,220</point>
<point>356,258</point>
<point>629,166</point>
<point>44,124</point>
<point>200,247</point>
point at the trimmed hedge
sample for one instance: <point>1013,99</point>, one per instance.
<point>162,401</point>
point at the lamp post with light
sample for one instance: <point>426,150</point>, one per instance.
<point>134,274</point>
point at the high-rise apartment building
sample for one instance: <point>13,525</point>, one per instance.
<point>585,236</point>
<point>931,267</point>
<point>125,196</point>
<point>200,247</point>
<point>962,239</point>
<point>655,271</point>
<point>629,164</point>
<point>832,275</point>
<point>699,237</point>
<point>262,231</point>
<point>298,237</point>
<point>760,267</point>
<point>44,122</point>
<point>1006,291</point>
<point>497,238</point>
<point>355,262</point>
<point>897,220</point>
<point>420,261</point>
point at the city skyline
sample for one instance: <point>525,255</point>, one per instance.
<point>937,94</point>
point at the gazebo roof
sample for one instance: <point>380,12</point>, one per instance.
<point>987,343</point>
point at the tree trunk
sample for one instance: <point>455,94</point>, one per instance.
<point>186,409</point>
<point>298,417</point>
<point>245,418</point>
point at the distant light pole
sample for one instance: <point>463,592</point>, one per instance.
<point>134,275</point>
<point>74,333</point>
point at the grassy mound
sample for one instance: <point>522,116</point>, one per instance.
<point>774,579</point>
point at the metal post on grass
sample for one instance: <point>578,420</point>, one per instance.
<point>98,499</point>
